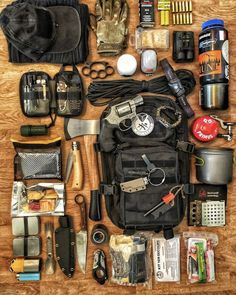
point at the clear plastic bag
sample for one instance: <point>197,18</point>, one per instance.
<point>36,200</point>
<point>151,39</point>
<point>200,256</point>
<point>131,261</point>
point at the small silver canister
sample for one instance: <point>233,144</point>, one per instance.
<point>214,165</point>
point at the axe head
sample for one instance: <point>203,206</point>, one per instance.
<point>75,127</point>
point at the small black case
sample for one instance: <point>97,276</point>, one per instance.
<point>183,46</point>
<point>41,96</point>
<point>35,96</point>
<point>69,92</point>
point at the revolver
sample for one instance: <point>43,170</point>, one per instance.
<point>117,115</point>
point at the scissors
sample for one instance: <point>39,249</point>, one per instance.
<point>89,70</point>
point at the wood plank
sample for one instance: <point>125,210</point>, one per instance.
<point>11,118</point>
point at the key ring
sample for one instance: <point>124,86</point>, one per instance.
<point>89,71</point>
<point>153,171</point>
<point>79,199</point>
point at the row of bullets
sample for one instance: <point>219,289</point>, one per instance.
<point>181,6</point>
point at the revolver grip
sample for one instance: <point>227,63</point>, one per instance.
<point>106,137</point>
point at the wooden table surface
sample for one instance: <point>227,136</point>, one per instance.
<point>11,118</point>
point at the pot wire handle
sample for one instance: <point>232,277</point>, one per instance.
<point>202,162</point>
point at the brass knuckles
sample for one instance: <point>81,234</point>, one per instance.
<point>105,71</point>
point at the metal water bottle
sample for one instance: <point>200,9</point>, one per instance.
<point>214,65</point>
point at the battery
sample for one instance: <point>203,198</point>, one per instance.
<point>146,13</point>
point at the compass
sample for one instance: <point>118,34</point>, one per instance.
<point>143,124</point>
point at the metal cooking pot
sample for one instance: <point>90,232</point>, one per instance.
<point>214,165</point>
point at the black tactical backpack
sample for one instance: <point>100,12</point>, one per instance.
<point>165,147</point>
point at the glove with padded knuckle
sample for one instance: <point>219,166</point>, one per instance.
<point>110,26</point>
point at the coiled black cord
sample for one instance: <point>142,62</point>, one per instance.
<point>101,93</point>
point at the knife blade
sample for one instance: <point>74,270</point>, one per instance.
<point>82,235</point>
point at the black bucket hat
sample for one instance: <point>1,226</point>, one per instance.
<point>35,30</point>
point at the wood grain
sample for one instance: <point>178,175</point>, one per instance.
<point>10,120</point>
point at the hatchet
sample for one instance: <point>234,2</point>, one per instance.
<point>89,130</point>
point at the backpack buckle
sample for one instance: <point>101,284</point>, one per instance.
<point>108,189</point>
<point>185,146</point>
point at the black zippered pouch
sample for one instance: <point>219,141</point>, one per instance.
<point>41,96</point>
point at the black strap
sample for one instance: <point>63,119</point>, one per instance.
<point>62,69</point>
<point>26,229</point>
<point>168,232</point>
<point>25,246</point>
<point>53,120</point>
<point>108,189</point>
<point>65,221</point>
<point>185,146</point>
<point>176,87</point>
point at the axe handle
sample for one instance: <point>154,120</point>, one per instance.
<point>92,160</point>
<point>93,171</point>
<point>77,182</point>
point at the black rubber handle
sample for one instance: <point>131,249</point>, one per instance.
<point>106,137</point>
<point>95,206</point>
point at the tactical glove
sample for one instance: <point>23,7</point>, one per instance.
<point>110,26</point>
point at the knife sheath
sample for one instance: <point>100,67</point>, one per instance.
<point>65,245</point>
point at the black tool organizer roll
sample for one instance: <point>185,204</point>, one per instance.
<point>125,163</point>
<point>41,96</point>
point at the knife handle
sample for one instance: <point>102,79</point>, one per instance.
<point>77,182</point>
<point>95,206</point>
<point>80,200</point>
